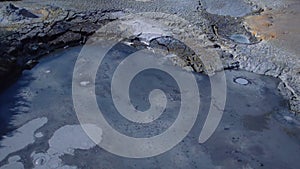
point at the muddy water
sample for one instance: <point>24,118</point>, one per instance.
<point>256,130</point>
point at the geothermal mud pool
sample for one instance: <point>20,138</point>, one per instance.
<point>260,127</point>
<point>256,130</point>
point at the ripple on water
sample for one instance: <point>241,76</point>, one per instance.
<point>39,161</point>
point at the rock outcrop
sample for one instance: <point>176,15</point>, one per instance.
<point>27,36</point>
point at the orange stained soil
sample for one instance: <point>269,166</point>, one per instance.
<point>273,24</point>
<point>279,25</point>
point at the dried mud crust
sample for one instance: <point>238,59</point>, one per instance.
<point>194,49</point>
<point>278,54</point>
<point>269,46</point>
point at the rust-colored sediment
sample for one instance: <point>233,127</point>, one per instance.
<point>274,24</point>
<point>280,25</point>
<point>262,25</point>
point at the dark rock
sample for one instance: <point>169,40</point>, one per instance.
<point>180,49</point>
<point>58,29</point>
<point>14,13</point>
<point>68,38</point>
<point>11,7</point>
<point>89,29</point>
<point>22,48</point>
<point>27,14</point>
<point>30,64</point>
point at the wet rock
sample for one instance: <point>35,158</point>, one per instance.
<point>30,64</point>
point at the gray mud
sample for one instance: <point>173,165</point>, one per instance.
<point>224,24</point>
<point>255,131</point>
<point>40,129</point>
